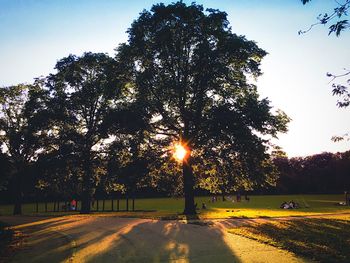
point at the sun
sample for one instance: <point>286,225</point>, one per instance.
<point>179,152</point>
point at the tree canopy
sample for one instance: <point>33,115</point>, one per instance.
<point>20,137</point>
<point>82,94</point>
<point>193,75</point>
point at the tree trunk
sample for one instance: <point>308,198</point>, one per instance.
<point>190,208</point>
<point>87,186</point>
<point>85,202</point>
<point>17,210</point>
<point>17,192</point>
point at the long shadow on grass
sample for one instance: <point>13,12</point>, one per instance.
<point>109,239</point>
<point>323,240</point>
<point>162,241</point>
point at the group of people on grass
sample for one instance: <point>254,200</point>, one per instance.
<point>238,198</point>
<point>214,199</point>
<point>70,206</point>
<point>289,205</point>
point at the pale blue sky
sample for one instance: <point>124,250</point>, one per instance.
<point>34,34</point>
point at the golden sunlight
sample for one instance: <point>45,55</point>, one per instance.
<point>179,152</point>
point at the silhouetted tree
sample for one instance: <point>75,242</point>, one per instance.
<point>59,173</point>
<point>319,173</point>
<point>191,70</point>
<point>82,93</point>
<point>20,138</point>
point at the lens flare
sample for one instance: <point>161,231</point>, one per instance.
<point>179,152</point>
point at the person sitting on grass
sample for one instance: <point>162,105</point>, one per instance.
<point>284,205</point>
<point>73,205</point>
<point>293,205</point>
<point>290,205</point>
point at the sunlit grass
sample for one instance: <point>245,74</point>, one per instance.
<point>324,239</point>
<point>172,208</point>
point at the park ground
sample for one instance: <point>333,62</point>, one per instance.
<point>254,231</point>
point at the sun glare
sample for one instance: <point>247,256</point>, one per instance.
<point>179,152</point>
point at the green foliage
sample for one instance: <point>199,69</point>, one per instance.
<point>82,94</point>
<point>319,173</point>
<point>20,137</point>
<point>18,132</point>
<point>192,74</point>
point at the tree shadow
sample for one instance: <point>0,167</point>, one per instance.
<point>41,248</point>
<point>107,239</point>
<point>323,240</point>
<point>164,241</point>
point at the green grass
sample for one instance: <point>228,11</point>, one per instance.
<point>259,206</point>
<point>325,239</point>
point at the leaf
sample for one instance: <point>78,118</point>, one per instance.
<point>338,27</point>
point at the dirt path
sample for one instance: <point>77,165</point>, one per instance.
<point>111,239</point>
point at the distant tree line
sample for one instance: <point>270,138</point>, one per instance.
<point>320,173</point>
<point>324,173</point>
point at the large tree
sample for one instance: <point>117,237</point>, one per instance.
<point>82,93</point>
<point>20,138</point>
<point>193,75</point>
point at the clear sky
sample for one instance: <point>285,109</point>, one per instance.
<point>34,34</point>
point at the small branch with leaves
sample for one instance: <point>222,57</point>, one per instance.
<point>341,90</point>
<point>338,12</point>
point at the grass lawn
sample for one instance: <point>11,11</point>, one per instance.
<point>171,208</point>
<point>325,239</point>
